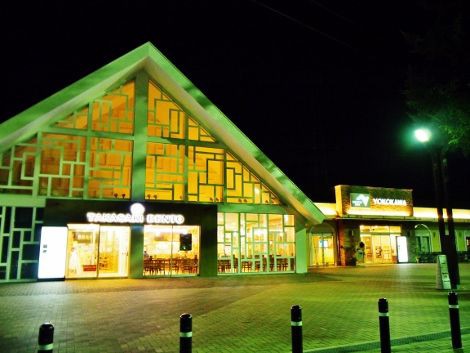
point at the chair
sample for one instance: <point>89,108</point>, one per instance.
<point>223,265</point>
<point>174,265</point>
<point>190,265</point>
<point>158,266</point>
<point>147,266</point>
<point>246,265</point>
<point>282,264</point>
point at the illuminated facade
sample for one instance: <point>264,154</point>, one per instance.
<point>133,172</point>
<point>390,228</point>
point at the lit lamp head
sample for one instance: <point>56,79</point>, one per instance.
<point>423,135</point>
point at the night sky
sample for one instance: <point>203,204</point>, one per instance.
<point>316,85</point>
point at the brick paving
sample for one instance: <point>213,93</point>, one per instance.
<point>237,313</point>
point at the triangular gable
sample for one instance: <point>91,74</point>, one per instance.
<point>161,70</point>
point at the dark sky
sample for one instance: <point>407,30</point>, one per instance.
<point>316,85</point>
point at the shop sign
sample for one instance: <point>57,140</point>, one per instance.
<point>137,215</point>
<point>389,202</point>
<point>360,200</point>
<point>363,200</point>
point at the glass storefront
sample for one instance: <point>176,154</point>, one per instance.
<point>380,243</point>
<point>171,250</point>
<point>97,251</point>
<point>249,242</point>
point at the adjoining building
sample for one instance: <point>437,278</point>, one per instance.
<point>390,228</point>
<point>133,172</point>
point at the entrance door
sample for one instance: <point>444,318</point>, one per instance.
<point>94,251</point>
<point>82,250</point>
<point>368,256</point>
<point>113,251</point>
<point>382,249</point>
<point>171,250</point>
<point>322,250</point>
<point>378,249</point>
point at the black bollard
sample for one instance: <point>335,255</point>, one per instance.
<point>46,338</point>
<point>296,328</point>
<point>186,333</point>
<point>454,320</point>
<point>384,326</point>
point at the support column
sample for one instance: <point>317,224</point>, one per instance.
<point>301,243</point>
<point>139,152</point>
<point>136,252</point>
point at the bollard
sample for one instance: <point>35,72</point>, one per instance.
<point>384,326</point>
<point>46,338</point>
<point>454,320</point>
<point>296,328</point>
<point>186,333</point>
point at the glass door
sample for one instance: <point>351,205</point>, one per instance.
<point>113,251</point>
<point>368,255</point>
<point>171,250</point>
<point>322,250</point>
<point>82,250</point>
<point>97,251</point>
<point>382,249</point>
<point>380,243</point>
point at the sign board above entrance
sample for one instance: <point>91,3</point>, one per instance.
<point>373,201</point>
<point>137,215</point>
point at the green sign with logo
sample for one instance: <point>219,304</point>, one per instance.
<point>360,200</point>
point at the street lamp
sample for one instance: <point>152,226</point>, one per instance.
<point>423,135</point>
<point>439,166</point>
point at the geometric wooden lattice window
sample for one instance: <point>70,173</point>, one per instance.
<point>164,179</point>
<point>113,112</point>
<point>17,168</point>
<point>197,133</point>
<point>165,118</point>
<point>110,168</point>
<point>19,242</point>
<point>242,186</point>
<point>205,174</point>
<point>62,169</point>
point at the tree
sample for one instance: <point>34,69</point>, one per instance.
<point>438,85</point>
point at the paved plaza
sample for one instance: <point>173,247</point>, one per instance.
<point>248,313</point>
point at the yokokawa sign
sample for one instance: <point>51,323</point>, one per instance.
<point>375,201</point>
<point>364,200</point>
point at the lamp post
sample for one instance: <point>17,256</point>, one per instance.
<point>439,167</point>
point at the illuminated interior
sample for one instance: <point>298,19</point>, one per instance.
<point>380,243</point>
<point>321,249</point>
<point>250,242</point>
<point>97,251</point>
<point>171,250</point>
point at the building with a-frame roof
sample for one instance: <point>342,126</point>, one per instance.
<point>133,172</point>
